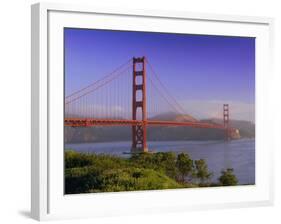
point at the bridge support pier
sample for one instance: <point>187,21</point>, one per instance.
<point>139,132</point>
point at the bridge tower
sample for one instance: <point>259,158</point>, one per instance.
<point>139,132</point>
<point>226,121</point>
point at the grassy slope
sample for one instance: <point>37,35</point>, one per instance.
<point>103,173</point>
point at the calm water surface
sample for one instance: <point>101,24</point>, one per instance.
<point>237,154</point>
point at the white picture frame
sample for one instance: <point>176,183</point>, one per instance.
<point>48,201</point>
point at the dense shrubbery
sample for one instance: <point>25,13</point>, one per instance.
<point>86,173</point>
<point>228,178</point>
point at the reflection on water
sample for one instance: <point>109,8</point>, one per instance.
<point>238,154</point>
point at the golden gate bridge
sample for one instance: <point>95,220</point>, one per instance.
<point>120,98</point>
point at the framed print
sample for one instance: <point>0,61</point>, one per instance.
<point>148,111</point>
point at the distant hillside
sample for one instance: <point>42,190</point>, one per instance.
<point>246,128</point>
<point>101,134</point>
<point>173,117</point>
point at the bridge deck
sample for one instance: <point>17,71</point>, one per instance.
<point>90,122</point>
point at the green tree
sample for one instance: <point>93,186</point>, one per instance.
<point>201,171</point>
<point>228,178</point>
<point>167,163</point>
<point>184,165</point>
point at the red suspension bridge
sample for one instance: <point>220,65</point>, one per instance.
<point>121,99</point>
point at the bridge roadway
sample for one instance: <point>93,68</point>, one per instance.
<point>90,122</point>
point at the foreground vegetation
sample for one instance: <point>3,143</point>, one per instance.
<point>86,173</point>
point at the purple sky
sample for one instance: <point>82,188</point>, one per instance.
<point>195,68</point>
